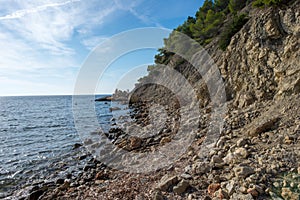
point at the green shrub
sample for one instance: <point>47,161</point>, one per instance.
<point>234,26</point>
<point>261,3</point>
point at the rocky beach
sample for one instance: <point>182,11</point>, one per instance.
<point>256,154</point>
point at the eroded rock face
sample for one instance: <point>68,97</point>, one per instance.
<point>262,60</point>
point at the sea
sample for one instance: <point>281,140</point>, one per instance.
<point>37,137</point>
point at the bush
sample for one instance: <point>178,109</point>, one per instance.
<point>261,3</point>
<point>235,25</point>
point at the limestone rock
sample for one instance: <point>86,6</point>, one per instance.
<point>167,182</point>
<point>243,171</point>
<point>212,188</point>
<point>181,187</point>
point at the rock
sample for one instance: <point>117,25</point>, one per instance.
<point>287,140</point>
<point>165,140</point>
<point>186,176</point>
<point>101,176</point>
<point>263,126</point>
<point>298,170</point>
<point>60,181</point>
<point>287,194</point>
<point>35,195</point>
<point>243,171</point>
<point>241,142</point>
<point>157,195</point>
<point>107,98</point>
<point>76,145</point>
<point>88,167</point>
<point>230,187</point>
<point>221,194</point>
<point>181,187</point>
<point>114,109</point>
<point>212,188</point>
<point>272,29</point>
<point>216,159</point>
<point>166,182</point>
<point>253,192</point>
<point>241,152</point>
<point>237,196</point>
<point>229,158</point>
<point>64,186</point>
<point>82,157</point>
<point>88,141</point>
<point>207,198</point>
<point>135,142</point>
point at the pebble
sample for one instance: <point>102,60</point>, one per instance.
<point>237,196</point>
<point>241,152</point>
<point>243,171</point>
<point>230,187</point>
<point>186,176</point>
<point>181,187</point>
<point>167,182</point>
<point>212,188</point>
<point>253,192</point>
<point>135,142</point>
<point>241,142</point>
<point>165,140</point>
<point>157,195</point>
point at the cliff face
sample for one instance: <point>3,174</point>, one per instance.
<point>258,151</point>
<point>262,60</point>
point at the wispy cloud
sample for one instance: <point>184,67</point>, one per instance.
<point>49,39</point>
<point>131,6</point>
<point>23,12</point>
<point>91,42</point>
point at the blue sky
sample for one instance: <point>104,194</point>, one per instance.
<point>44,43</point>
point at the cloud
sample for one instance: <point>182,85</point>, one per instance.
<point>51,26</point>
<point>91,42</point>
<point>131,6</point>
<point>46,40</point>
<point>23,12</point>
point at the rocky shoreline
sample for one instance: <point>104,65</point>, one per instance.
<point>256,157</point>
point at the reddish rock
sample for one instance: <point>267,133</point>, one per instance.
<point>212,188</point>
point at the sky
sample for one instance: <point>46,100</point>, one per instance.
<point>44,43</point>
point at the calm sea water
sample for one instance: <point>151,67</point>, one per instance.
<point>36,133</point>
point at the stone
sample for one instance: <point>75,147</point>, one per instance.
<point>272,29</point>
<point>216,159</point>
<point>287,194</point>
<point>230,187</point>
<point>101,176</point>
<point>241,152</point>
<point>186,176</point>
<point>229,158</point>
<point>181,187</point>
<point>166,182</point>
<point>263,126</point>
<point>157,195</point>
<point>238,196</point>
<point>64,186</point>
<point>76,145</point>
<point>241,142</point>
<point>253,192</point>
<point>243,171</point>
<point>135,142</point>
<point>35,195</point>
<point>60,181</point>
<point>114,109</point>
<point>221,194</point>
<point>212,188</point>
<point>165,140</point>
